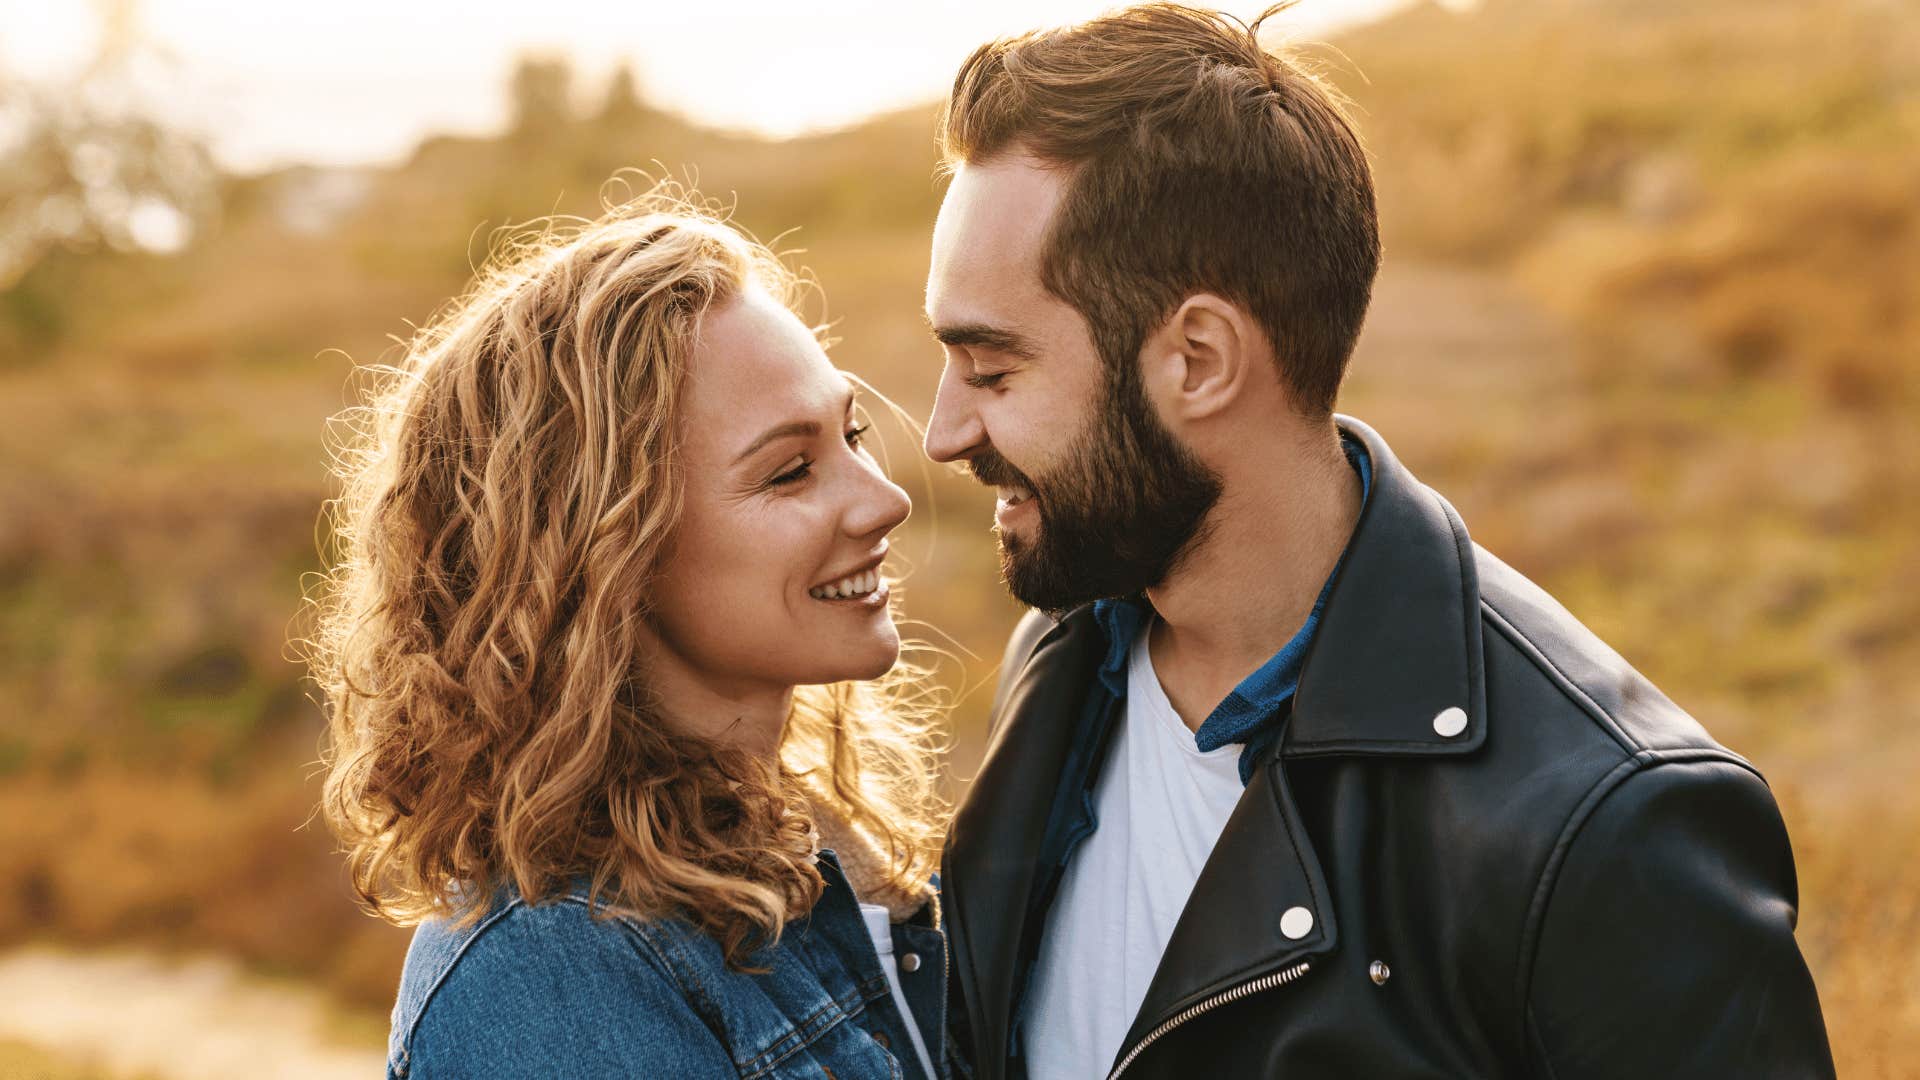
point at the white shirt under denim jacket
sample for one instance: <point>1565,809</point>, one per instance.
<point>551,991</point>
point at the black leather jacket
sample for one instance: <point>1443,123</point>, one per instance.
<point>1576,882</point>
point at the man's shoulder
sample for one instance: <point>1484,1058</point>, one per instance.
<point>1544,666</point>
<point>1026,637</point>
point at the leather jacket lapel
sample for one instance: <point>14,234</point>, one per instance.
<point>1260,905</point>
<point>1396,666</point>
<point>992,847</point>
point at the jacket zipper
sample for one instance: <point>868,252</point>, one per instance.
<point>946,984</point>
<point>1265,982</point>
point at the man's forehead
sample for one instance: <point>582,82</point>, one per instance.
<point>992,223</point>
<point>1005,203</point>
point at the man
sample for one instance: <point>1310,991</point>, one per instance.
<point>1293,780</point>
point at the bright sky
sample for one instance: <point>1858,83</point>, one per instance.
<point>355,81</point>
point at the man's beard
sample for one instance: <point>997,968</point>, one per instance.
<point>1116,515</point>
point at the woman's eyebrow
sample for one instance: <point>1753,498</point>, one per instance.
<point>809,428</point>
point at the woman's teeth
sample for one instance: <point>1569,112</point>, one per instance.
<point>847,588</point>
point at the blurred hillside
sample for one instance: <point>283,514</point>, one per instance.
<point>1649,320</point>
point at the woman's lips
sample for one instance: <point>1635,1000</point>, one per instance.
<point>867,588</point>
<point>873,601</point>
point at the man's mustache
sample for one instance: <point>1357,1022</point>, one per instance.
<point>991,469</point>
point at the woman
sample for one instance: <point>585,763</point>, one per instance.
<point>600,653</point>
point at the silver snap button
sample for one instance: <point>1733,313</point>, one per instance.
<point>1379,972</point>
<point>1450,722</point>
<point>910,962</point>
<point>1296,923</point>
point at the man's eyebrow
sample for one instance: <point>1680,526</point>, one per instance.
<point>809,428</point>
<point>982,336</point>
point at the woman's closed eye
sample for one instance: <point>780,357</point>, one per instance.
<point>805,467</point>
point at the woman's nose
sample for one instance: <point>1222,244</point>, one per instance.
<point>880,506</point>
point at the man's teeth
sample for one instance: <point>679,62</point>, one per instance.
<point>857,585</point>
<point>1012,495</point>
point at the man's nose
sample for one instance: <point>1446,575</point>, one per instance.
<point>954,430</point>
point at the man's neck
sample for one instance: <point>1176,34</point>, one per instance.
<point>1249,585</point>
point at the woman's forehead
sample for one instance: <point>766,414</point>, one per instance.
<point>756,364</point>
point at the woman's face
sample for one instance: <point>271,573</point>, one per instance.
<point>772,575</point>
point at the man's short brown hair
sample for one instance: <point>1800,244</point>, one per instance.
<point>1200,161</point>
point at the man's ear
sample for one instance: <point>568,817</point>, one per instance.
<point>1199,362</point>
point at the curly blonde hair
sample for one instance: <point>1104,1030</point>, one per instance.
<point>507,492</point>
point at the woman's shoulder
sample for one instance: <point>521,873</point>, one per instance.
<point>527,974</point>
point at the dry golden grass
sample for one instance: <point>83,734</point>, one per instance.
<point>124,855</point>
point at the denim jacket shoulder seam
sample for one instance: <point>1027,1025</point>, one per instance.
<point>426,1000</point>
<point>674,964</point>
<point>809,1029</point>
<point>662,944</point>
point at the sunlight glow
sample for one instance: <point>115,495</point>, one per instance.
<point>357,81</point>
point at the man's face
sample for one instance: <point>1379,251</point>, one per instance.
<point>1097,498</point>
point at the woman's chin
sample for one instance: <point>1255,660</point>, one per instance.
<point>868,661</point>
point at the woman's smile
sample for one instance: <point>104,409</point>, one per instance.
<point>867,590</point>
<point>863,586</point>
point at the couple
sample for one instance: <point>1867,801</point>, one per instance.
<point>1287,776</point>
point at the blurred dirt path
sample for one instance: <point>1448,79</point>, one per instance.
<point>1449,348</point>
<point>137,1014</point>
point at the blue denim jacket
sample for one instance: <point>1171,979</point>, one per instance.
<point>550,991</point>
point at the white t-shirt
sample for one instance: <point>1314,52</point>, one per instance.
<point>1161,805</point>
<point>880,929</point>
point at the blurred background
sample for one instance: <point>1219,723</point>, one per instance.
<point>1650,318</point>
